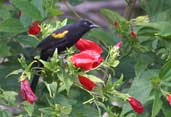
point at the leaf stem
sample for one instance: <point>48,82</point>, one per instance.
<point>89,101</point>
<point>98,108</point>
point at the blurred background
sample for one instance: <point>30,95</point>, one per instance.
<point>90,9</point>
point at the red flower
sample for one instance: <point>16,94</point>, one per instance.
<point>84,44</point>
<point>34,29</point>
<point>87,83</point>
<point>26,92</point>
<point>118,45</point>
<point>136,105</point>
<point>169,98</point>
<point>116,24</point>
<point>133,34</point>
<point>87,59</point>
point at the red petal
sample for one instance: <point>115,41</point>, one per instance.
<point>87,83</point>
<point>136,105</point>
<point>84,44</point>
<point>87,60</point>
<point>26,92</point>
<point>34,30</point>
<point>169,98</point>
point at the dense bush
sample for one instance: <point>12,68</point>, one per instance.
<point>124,70</point>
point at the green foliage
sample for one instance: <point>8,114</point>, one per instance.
<point>144,70</point>
<point>47,29</point>
<point>27,8</point>
<point>11,26</point>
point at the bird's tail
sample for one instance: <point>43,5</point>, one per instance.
<point>34,82</point>
<point>44,55</point>
<point>35,79</point>
<point>39,65</point>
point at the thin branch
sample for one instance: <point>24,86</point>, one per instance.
<point>69,6</point>
<point>130,8</point>
<point>95,6</point>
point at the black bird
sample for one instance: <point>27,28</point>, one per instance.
<point>61,39</point>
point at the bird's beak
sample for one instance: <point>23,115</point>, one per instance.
<point>94,26</point>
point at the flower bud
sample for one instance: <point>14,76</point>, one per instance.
<point>26,92</point>
<point>136,105</point>
<point>118,45</point>
<point>34,29</point>
<point>133,34</point>
<point>169,98</point>
<point>87,83</point>
<point>116,24</point>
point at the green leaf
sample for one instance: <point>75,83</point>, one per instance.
<point>81,110</point>
<point>158,28</point>
<point>11,25</point>
<point>47,29</point>
<point>28,40</point>
<point>139,85</point>
<point>9,97</point>
<point>147,31</point>
<point>57,109</point>
<point>108,38</point>
<point>113,16</point>
<point>155,44</point>
<point>166,111</point>
<point>109,84</point>
<point>10,83</point>
<point>157,104</point>
<point>54,12</point>
<point>15,72</point>
<point>67,82</point>
<point>164,30</point>
<point>153,7</point>
<point>4,113</point>
<point>52,88</point>
<point>29,108</point>
<point>27,8</point>
<point>140,67</point>
<point>39,4</point>
<point>66,109</point>
<point>25,20</point>
<point>165,71</point>
<point>47,110</point>
<point>4,12</point>
<point>60,24</point>
<point>22,61</point>
<point>4,50</point>
<point>94,78</point>
<point>118,83</point>
<point>52,8</point>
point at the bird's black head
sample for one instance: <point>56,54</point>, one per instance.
<point>78,29</point>
<point>86,24</point>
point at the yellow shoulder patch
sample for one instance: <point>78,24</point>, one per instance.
<point>59,35</point>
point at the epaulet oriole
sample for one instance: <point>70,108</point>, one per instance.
<point>61,39</point>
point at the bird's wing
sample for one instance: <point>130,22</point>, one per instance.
<point>55,39</point>
<point>49,42</point>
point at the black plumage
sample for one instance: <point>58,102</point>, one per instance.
<point>65,37</point>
